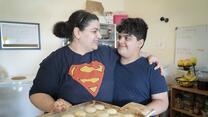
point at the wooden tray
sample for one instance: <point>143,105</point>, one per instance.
<point>130,110</point>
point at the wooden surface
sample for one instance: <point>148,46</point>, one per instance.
<point>174,90</point>
<point>191,90</point>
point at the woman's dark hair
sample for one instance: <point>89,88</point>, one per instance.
<point>133,26</point>
<point>80,19</point>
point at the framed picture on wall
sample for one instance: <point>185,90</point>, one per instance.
<point>19,35</point>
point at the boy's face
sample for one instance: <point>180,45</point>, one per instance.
<point>128,46</point>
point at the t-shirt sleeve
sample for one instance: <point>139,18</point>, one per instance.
<point>46,80</point>
<point>157,81</point>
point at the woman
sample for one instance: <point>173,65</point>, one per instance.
<point>79,72</point>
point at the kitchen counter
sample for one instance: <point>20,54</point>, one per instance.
<point>14,98</point>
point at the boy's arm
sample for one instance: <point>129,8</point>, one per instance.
<point>159,103</point>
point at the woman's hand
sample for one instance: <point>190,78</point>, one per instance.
<point>60,105</point>
<point>153,59</point>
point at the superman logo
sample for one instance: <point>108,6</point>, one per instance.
<point>89,75</point>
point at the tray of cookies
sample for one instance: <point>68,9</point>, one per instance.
<point>101,109</point>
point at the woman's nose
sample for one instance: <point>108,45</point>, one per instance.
<point>99,35</point>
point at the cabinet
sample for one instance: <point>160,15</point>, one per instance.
<point>191,95</point>
<point>14,98</point>
<point>108,33</point>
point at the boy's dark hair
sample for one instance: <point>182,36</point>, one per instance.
<point>133,26</point>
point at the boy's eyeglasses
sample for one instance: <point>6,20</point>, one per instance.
<point>127,37</point>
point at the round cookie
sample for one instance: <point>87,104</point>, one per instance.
<point>80,114</point>
<point>111,111</point>
<point>128,115</point>
<point>68,115</point>
<point>90,109</point>
<point>103,115</point>
<point>115,116</point>
<point>99,107</point>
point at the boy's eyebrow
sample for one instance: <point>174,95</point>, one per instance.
<point>122,34</point>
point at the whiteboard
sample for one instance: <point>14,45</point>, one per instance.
<point>192,41</point>
<point>19,35</point>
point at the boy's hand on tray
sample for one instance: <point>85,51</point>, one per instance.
<point>60,105</point>
<point>138,108</point>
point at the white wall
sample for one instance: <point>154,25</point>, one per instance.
<point>45,12</point>
<point>161,36</point>
<point>160,40</point>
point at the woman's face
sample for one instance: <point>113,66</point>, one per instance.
<point>90,36</point>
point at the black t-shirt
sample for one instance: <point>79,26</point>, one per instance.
<point>137,81</point>
<point>77,78</point>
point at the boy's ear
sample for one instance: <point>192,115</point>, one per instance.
<point>141,43</point>
<point>76,32</point>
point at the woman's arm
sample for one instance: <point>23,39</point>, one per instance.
<point>47,104</point>
<point>159,103</point>
<point>42,101</point>
<point>153,59</point>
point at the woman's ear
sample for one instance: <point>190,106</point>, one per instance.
<point>76,32</point>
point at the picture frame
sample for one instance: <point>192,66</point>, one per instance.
<point>19,35</point>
